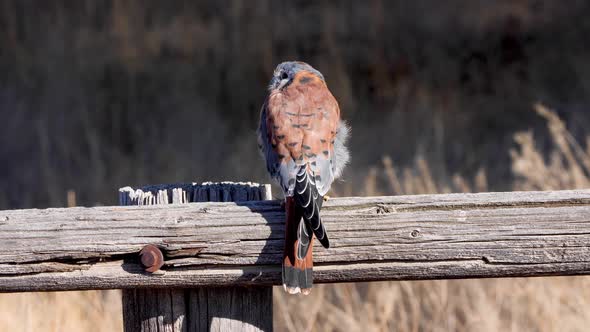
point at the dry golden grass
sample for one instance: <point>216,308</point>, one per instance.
<point>568,166</point>
<point>531,304</point>
<point>61,311</point>
<point>534,304</point>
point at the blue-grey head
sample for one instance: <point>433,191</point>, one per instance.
<point>286,71</point>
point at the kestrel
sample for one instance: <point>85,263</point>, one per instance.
<point>302,139</point>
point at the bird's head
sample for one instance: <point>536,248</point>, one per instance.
<point>285,73</point>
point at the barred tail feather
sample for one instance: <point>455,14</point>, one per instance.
<point>303,221</point>
<point>298,255</point>
<point>310,202</point>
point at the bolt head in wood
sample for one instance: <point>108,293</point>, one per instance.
<point>151,258</point>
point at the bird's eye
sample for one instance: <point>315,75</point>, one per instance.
<point>284,76</point>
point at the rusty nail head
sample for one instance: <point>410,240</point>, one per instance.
<point>151,258</point>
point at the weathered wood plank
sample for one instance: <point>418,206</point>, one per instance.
<point>160,310</point>
<point>230,309</point>
<point>373,238</point>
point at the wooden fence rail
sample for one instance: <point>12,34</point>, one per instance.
<point>228,244</point>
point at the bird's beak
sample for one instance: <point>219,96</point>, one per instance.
<point>282,83</point>
<point>278,84</point>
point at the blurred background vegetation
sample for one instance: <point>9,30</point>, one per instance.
<point>449,96</point>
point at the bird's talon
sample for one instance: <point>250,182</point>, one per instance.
<point>326,198</point>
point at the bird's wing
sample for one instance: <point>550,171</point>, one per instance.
<point>272,143</point>
<point>320,120</point>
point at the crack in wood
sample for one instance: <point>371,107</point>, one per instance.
<point>392,207</point>
<point>384,209</point>
<point>181,253</point>
<point>15,270</point>
<point>493,205</point>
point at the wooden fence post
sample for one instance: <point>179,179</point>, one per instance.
<point>203,308</point>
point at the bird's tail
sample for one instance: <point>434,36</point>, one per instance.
<point>308,199</point>
<point>297,256</point>
<point>303,221</point>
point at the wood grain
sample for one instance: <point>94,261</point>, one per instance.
<point>373,238</point>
